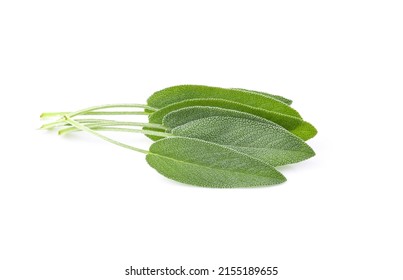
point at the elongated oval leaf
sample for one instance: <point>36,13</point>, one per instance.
<point>200,163</point>
<point>180,93</point>
<point>278,97</point>
<point>286,121</point>
<point>179,117</point>
<point>265,141</point>
<point>305,131</point>
<point>192,113</point>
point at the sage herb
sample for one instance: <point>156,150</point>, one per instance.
<point>206,136</point>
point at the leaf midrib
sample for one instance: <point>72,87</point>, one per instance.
<point>262,148</point>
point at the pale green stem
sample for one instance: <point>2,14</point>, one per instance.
<point>119,129</point>
<point>53,124</point>
<point>112,123</point>
<point>103,121</point>
<point>62,122</point>
<point>86,129</point>
<point>89,109</point>
<point>94,108</point>
<point>94,120</point>
<point>96,113</point>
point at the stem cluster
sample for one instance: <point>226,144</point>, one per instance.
<point>71,121</point>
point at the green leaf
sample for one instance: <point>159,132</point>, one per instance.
<point>200,163</point>
<point>305,131</point>
<point>265,141</point>
<point>278,97</point>
<point>286,121</point>
<point>180,93</point>
<point>179,117</point>
<point>192,113</point>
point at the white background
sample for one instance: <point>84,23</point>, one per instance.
<point>80,208</point>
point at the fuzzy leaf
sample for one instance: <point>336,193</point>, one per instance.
<point>179,117</point>
<point>192,113</point>
<point>180,93</point>
<point>278,97</point>
<point>265,141</point>
<point>305,131</point>
<point>200,163</point>
<point>286,121</point>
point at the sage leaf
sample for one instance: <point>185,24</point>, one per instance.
<point>286,121</point>
<point>278,97</point>
<point>207,136</point>
<point>179,117</point>
<point>305,131</point>
<point>180,93</point>
<point>268,142</point>
<point>192,113</point>
<point>205,164</point>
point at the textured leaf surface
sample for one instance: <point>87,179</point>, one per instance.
<point>286,121</point>
<point>188,114</point>
<point>305,131</point>
<point>180,93</point>
<point>200,163</point>
<point>265,141</point>
<point>278,97</point>
<point>179,117</point>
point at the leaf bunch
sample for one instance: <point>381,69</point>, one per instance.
<point>207,136</point>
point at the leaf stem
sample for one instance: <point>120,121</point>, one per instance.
<point>89,110</point>
<point>96,113</point>
<point>112,123</point>
<point>86,129</point>
<point>62,122</point>
<point>120,129</point>
<point>53,124</point>
<point>93,108</point>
